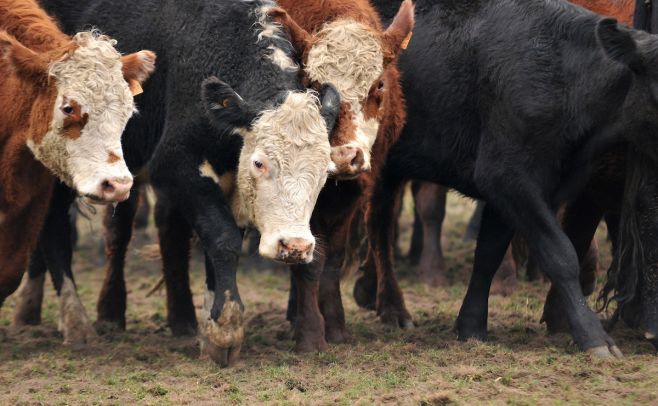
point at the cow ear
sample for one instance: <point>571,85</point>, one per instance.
<point>137,67</point>
<point>618,43</point>
<point>224,107</point>
<point>329,106</point>
<point>299,37</point>
<point>23,59</point>
<point>398,34</point>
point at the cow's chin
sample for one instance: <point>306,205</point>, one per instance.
<point>287,249</point>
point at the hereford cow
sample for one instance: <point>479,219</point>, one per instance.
<point>537,98</point>
<point>266,143</point>
<point>343,42</point>
<point>65,102</point>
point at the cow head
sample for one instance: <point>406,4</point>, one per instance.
<point>353,56</point>
<point>283,163</point>
<point>84,100</point>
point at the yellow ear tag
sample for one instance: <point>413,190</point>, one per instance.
<point>405,43</point>
<point>135,87</point>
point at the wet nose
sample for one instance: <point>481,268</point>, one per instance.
<point>295,250</point>
<point>116,189</point>
<point>350,161</point>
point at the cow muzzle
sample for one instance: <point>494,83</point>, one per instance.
<point>349,162</point>
<point>112,190</point>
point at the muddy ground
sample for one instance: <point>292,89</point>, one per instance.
<point>426,366</point>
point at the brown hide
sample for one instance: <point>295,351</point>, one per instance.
<point>27,99</point>
<point>622,10</point>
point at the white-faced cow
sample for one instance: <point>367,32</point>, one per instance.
<point>65,102</point>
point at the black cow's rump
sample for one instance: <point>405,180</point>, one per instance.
<point>511,103</point>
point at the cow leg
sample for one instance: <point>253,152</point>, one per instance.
<point>175,235</point>
<point>221,341</point>
<point>58,253</point>
<point>505,280</point>
<point>143,208</point>
<point>557,257</point>
<point>580,220</point>
<point>493,239</point>
<point>118,223</point>
<point>365,287</point>
<point>416,246</point>
<point>331,304</point>
<point>309,323</point>
<point>390,304</point>
<point>430,201</point>
<point>29,295</point>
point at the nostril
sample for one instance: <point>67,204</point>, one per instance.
<point>107,187</point>
<point>358,160</point>
<point>283,244</point>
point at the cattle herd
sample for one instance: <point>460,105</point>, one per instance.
<point>304,119</point>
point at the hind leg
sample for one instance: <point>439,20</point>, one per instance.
<point>174,235</point>
<point>430,201</point>
<point>29,295</point>
<point>580,221</point>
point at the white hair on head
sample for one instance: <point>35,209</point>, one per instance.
<point>92,76</point>
<point>348,55</point>
<point>294,138</point>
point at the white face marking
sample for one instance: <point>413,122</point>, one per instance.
<point>349,56</point>
<point>292,141</point>
<point>91,77</point>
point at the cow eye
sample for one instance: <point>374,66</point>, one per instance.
<point>258,164</point>
<point>381,85</point>
<point>68,110</point>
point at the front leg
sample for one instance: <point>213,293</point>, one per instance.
<point>493,239</point>
<point>205,208</point>
<point>309,323</point>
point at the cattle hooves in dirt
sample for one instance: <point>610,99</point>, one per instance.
<point>604,351</point>
<point>397,318</point>
<point>28,301</point>
<point>221,340</point>
<point>365,294</point>
<point>73,322</point>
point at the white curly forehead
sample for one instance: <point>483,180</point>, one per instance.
<point>92,75</point>
<point>348,55</point>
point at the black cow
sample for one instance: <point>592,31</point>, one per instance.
<point>194,40</point>
<point>512,111</point>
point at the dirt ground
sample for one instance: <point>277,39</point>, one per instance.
<point>425,366</point>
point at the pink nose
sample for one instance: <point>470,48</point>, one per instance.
<point>116,189</point>
<point>295,250</point>
<point>350,161</point>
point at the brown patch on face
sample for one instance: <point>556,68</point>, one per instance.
<point>112,158</point>
<point>41,116</point>
<point>345,130</point>
<point>75,121</point>
<point>371,106</point>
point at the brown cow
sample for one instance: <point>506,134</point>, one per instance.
<point>342,42</point>
<point>65,102</point>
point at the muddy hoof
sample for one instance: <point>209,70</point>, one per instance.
<point>396,317</point>
<point>365,294</point>
<point>73,321</point>
<point>28,301</point>
<point>336,335</point>
<point>311,344</point>
<point>603,351</point>
<point>221,340</point>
